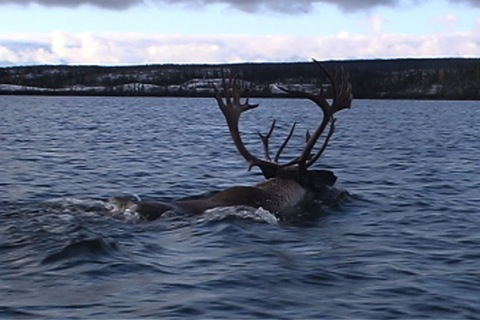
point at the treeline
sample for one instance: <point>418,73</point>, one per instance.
<point>400,78</point>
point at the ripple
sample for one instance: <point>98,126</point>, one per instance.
<point>402,243</point>
<point>90,249</point>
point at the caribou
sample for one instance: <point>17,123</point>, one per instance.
<point>287,186</point>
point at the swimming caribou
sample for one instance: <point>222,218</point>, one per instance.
<point>288,186</point>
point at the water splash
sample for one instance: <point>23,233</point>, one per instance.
<point>75,205</point>
<point>240,212</point>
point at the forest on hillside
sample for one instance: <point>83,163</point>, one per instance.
<point>399,78</point>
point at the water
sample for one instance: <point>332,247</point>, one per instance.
<point>404,245</point>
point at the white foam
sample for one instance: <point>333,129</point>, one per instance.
<point>243,212</point>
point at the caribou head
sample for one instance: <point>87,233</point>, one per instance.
<point>288,185</point>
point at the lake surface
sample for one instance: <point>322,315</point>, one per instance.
<point>404,244</point>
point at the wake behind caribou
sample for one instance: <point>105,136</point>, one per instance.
<point>288,187</point>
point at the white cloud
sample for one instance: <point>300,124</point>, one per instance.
<point>377,23</point>
<point>134,48</point>
<point>448,21</point>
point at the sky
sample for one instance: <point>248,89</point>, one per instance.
<point>138,32</point>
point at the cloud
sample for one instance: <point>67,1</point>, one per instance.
<point>252,6</point>
<point>136,48</point>
<point>377,23</point>
<point>105,4</point>
<point>447,21</point>
<point>475,3</point>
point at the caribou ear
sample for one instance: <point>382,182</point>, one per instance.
<point>320,178</point>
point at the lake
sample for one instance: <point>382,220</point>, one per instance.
<point>405,243</point>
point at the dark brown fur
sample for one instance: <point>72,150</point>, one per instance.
<point>274,195</point>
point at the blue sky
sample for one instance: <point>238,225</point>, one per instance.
<point>126,32</point>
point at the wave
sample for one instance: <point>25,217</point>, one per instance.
<point>88,249</point>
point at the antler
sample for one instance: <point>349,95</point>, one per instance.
<point>232,107</point>
<point>341,99</point>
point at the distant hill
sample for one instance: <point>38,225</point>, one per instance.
<point>393,79</point>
